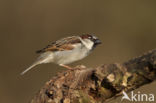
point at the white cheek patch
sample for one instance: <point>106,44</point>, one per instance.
<point>88,43</point>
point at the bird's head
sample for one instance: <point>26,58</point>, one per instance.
<point>91,39</point>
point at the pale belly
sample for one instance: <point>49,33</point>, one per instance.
<point>67,57</point>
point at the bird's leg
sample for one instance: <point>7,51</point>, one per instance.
<point>66,66</point>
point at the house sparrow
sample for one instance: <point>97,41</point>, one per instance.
<point>66,50</point>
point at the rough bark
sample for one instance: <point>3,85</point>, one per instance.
<point>98,85</point>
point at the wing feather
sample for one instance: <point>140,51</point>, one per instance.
<point>61,45</point>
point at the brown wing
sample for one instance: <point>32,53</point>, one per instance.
<point>61,45</point>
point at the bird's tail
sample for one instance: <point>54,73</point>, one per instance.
<point>33,65</point>
<point>43,58</point>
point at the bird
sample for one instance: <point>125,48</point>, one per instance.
<point>66,50</point>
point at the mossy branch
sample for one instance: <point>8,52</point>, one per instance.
<point>97,85</point>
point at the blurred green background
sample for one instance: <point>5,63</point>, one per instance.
<point>127,29</point>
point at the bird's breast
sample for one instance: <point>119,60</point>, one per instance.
<point>69,56</point>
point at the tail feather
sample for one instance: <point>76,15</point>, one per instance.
<point>26,70</point>
<point>43,58</point>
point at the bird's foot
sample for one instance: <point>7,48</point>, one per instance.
<point>66,66</point>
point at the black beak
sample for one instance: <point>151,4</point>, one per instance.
<point>97,41</point>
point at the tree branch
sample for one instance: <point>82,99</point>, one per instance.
<point>88,85</point>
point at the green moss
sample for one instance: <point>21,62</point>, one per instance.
<point>85,97</point>
<point>118,78</point>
